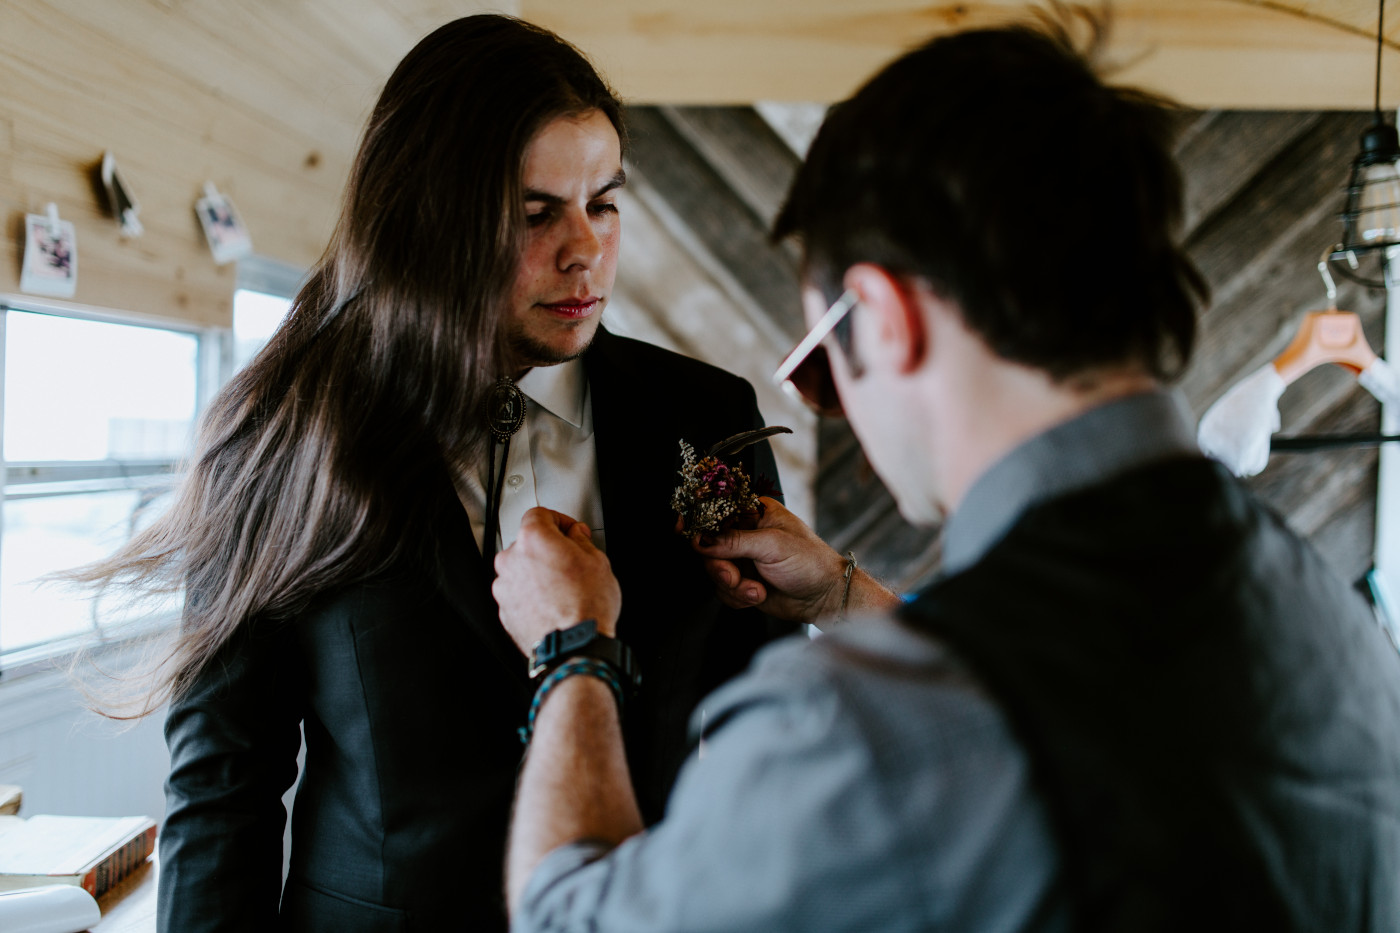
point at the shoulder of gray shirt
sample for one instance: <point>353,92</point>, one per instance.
<point>861,667</point>
<point>873,718</point>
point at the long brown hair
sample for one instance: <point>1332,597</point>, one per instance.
<point>315,461</point>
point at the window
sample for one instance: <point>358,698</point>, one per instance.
<point>256,316</point>
<point>97,414</point>
<point>96,417</point>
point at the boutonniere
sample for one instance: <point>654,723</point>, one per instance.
<point>715,495</point>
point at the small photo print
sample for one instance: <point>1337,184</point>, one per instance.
<point>228,238</point>
<point>119,198</point>
<point>50,257</point>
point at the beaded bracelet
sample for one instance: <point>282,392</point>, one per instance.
<point>587,666</point>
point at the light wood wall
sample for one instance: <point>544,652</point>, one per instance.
<point>1281,54</point>
<point>265,99</point>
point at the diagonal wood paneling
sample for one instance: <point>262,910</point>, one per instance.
<point>697,271</point>
<point>1262,194</point>
<point>1263,191</point>
<point>722,220</point>
<point>1259,244</point>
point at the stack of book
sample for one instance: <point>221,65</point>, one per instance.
<point>94,853</point>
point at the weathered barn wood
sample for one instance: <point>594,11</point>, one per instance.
<point>1263,191</point>
<point>1259,246</point>
<point>697,273</point>
<point>723,219</point>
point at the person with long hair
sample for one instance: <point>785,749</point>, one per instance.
<point>334,533</point>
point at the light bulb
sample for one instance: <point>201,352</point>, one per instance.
<point>1378,207</point>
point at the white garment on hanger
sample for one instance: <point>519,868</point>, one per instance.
<point>1237,428</point>
<point>1383,381</point>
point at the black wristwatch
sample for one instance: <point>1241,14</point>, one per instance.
<point>583,641</point>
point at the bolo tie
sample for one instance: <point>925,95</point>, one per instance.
<point>505,413</point>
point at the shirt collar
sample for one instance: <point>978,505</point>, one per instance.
<point>1086,450</point>
<point>558,389</point>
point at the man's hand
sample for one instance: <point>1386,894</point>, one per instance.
<point>553,577</point>
<point>800,578</point>
<point>574,784</point>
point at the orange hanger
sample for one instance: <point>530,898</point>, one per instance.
<point>1329,336</point>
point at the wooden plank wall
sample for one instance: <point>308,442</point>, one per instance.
<point>264,100</point>
<point>1264,195</point>
<point>697,273</point>
<point>1312,54</point>
<point>1264,190</point>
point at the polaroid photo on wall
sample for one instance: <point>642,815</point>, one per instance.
<point>120,201</point>
<point>50,256</point>
<point>223,229</point>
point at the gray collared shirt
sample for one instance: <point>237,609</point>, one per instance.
<point>1101,443</point>
<point>864,780</point>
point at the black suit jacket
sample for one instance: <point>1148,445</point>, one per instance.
<point>410,694</point>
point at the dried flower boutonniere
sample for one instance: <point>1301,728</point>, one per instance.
<point>715,495</point>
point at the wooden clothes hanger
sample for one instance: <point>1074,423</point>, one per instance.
<point>1334,336</point>
<point>1238,427</point>
<point>1329,336</point>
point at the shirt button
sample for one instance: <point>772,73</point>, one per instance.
<point>515,480</point>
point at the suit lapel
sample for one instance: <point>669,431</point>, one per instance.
<point>620,423</point>
<point>609,408</point>
<point>465,583</point>
<point>623,447</point>
<point>638,451</point>
<point>637,458</point>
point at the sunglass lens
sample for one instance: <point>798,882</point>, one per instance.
<point>812,381</point>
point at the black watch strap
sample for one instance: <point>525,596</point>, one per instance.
<point>584,641</point>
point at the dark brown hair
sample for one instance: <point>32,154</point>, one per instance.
<point>315,460</point>
<point>997,166</point>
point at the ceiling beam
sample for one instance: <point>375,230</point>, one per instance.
<point>1282,54</point>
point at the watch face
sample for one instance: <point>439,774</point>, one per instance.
<point>560,644</point>
<point>575,637</point>
<point>583,640</point>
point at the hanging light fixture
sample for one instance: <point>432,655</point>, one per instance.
<point>1371,219</point>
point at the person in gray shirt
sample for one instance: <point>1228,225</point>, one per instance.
<point>1133,700</point>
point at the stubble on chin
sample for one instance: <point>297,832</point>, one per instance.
<point>529,352</point>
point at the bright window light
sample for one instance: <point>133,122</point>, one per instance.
<point>96,416</point>
<point>256,316</point>
<point>43,535</point>
<point>87,390</point>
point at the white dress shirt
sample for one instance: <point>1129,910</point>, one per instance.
<point>552,459</point>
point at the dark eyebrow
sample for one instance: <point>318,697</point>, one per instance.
<point>617,181</point>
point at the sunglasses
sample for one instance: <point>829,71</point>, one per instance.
<point>806,373</point>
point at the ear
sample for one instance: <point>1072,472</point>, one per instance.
<point>890,318</point>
